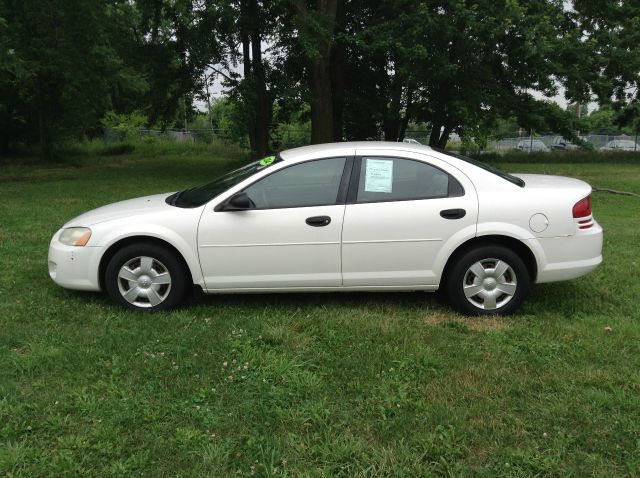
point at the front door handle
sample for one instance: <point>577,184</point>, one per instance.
<point>318,221</point>
<point>453,213</point>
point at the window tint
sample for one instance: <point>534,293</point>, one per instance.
<point>315,183</point>
<point>393,179</point>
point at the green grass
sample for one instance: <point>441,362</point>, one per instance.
<point>309,384</point>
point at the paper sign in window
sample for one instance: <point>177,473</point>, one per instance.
<point>378,175</point>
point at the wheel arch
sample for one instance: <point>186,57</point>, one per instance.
<point>126,241</point>
<point>517,246</point>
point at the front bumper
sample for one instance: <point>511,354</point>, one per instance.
<point>74,267</point>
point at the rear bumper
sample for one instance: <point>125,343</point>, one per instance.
<point>570,257</point>
<point>74,267</point>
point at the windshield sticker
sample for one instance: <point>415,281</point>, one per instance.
<point>267,161</point>
<point>378,176</point>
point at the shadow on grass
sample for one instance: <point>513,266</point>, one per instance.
<point>411,299</point>
<point>296,300</point>
<point>564,298</point>
<point>567,298</point>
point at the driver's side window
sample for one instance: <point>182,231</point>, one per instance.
<point>314,183</point>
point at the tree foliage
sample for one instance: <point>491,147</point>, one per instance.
<point>354,69</point>
<point>65,63</point>
<point>607,56</point>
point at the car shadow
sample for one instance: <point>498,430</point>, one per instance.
<point>562,298</point>
<point>409,299</point>
<point>568,298</point>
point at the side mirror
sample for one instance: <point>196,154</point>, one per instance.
<point>238,202</point>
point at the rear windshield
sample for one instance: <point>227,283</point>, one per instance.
<point>485,166</point>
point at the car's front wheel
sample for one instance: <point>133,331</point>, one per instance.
<point>488,280</point>
<point>148,277</point>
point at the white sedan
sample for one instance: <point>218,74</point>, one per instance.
<point>530,146</point>
<point>363,216</point>
<point>621,145</point>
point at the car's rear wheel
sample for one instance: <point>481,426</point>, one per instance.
<point>147,277</point>
<point>488,280</point>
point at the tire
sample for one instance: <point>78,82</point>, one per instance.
<point>147,277</point>
<point>488,280</point>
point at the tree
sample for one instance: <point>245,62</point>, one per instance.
<point>456,65</point>
<point>65,63</point>
<point>242,29</point>
<point>58,52</point>
<point>380,84</point>
<point>606,55</point>
<point>478,60</point>
<point>318,23</point>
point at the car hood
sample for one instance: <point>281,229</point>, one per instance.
<point>122,209</point>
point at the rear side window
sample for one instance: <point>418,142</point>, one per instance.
<point>396,179</point>
<point>486,167</point>
<point>314,183</point>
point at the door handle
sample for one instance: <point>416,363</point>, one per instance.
<point>318,221</point>
<point>453,213</point>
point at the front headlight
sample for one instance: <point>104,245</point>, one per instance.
<point>75,236</point>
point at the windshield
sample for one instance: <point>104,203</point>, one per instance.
<point>200,195</point>
<point>486,167</point>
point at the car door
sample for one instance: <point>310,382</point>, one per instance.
<point>400,214</point>
<point>289,239</point>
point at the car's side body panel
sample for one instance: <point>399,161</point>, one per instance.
<point>181,235</point>
<point>398,243</point>
<point>270,248</point>
<point>177,227</point>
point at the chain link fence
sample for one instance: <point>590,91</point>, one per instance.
<point>114,135</point>
<point>555,142</point>
<point>289,138</point>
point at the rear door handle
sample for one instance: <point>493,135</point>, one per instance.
<point>318,221</point>
<point>453,213</point>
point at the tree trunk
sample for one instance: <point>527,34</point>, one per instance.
<point>408,111</point>
<point>254,93</point>
<point>320,75</point>
<point>391,124</point>
<point>338,63</point>
<point>434,137</point>
<point>321,100</point>
<point>440,131</point>
<point>247,90</point>
<point>247,87</point>
<point>262,105</point>
<point>444,138</point>
<point>45,120</point>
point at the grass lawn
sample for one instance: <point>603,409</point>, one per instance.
<point>388,384</point>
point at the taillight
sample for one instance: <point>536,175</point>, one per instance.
<point>582,208</point>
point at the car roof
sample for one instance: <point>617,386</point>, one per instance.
<point>328,150</point>
<point>348,148</point>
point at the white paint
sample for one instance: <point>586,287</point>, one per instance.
<point>402,245</point>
